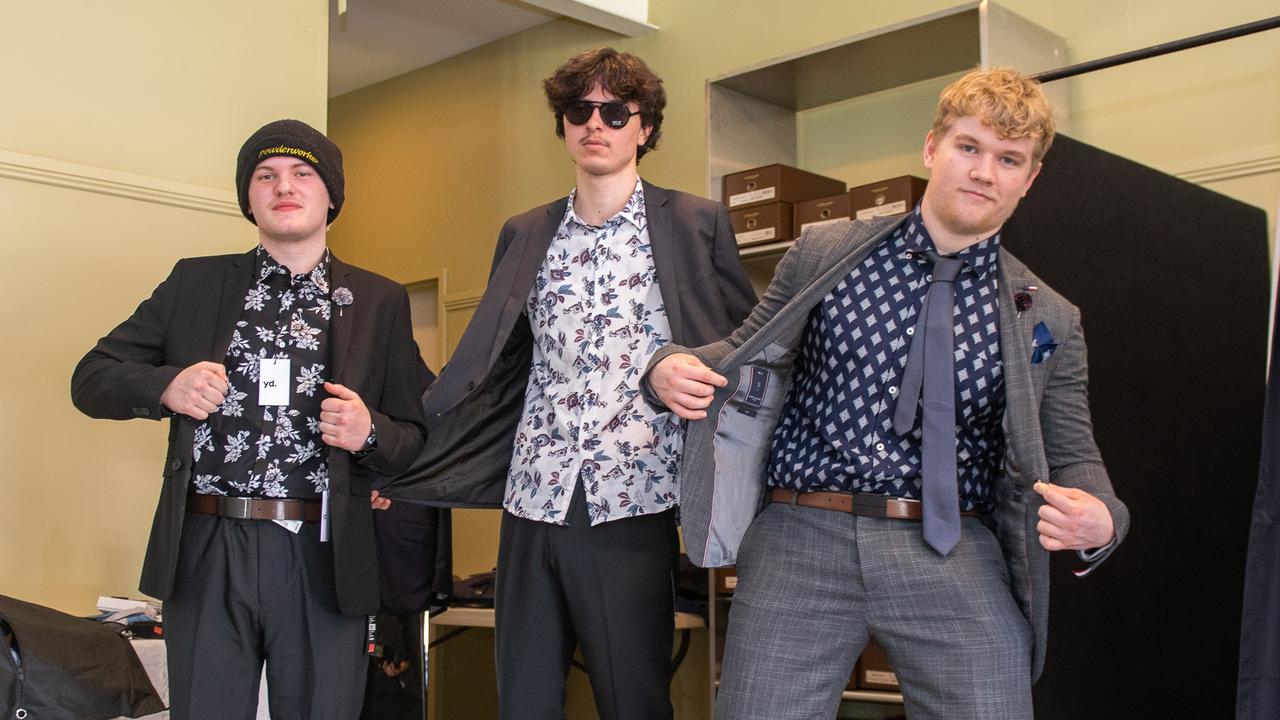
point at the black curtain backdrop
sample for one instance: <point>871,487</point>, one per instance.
<point>1258,697</point>
<point>1172,281</point>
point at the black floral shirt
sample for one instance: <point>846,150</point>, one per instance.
<point>247,449</point>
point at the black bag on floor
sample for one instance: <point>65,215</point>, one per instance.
<point>55,665</point>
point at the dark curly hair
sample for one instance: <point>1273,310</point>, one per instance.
<point>623,75</point>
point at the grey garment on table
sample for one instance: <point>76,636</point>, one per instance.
<point>814,584</point>
<point>249,591</point>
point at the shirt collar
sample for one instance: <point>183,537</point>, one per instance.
<point>631,212</point>
<point>268,266</point>
<point>980,258</point>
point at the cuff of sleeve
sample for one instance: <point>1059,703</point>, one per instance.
<point>159,382</point>
<point>374,458</point>
<point>646,390</point>
<point>1094,556</point>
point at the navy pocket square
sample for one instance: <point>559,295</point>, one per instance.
<point>1042,344</point>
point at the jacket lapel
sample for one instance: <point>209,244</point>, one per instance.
<point>235,284</point>
<point>534,253</point>
<point>662,247</point>
<point>1015,354</point>
<point>340,317</point>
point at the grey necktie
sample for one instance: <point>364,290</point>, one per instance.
<point>930,361</point>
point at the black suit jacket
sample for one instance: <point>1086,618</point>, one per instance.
<point>474,408</point>
<point>188,319</point>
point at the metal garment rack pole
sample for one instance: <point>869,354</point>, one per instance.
<point>1156,50</point>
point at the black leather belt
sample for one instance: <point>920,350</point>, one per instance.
<point>243,508</point>
<point>864,504</point>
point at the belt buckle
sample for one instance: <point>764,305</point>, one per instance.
<point>234,507</point>
<point>902,508</point>
<point>896,508</point>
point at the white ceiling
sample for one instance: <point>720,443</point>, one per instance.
<point>379,39</point>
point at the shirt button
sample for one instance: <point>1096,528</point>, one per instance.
<point>893,390</point>
<point>911,330</point>
<point>879,447</point>
<point>928,278</point>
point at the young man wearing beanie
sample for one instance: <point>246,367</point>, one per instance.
<point>914,442</point>
<point>290,380</point>
<point>538,410</point>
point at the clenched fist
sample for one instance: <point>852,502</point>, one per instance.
<point>344,419</point>
<point>685,385</point>
<point>1072,519</point>
<point>197,390</point>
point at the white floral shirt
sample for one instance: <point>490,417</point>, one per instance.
<point>597,317</point>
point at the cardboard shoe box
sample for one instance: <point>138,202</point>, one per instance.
<point>874,672</point>
<point>726,580</point>
<point>761,224</point>
<point>822,211</point>
<point>888,197</point>
<point>776,183</point>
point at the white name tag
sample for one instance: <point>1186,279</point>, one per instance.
<point>273,381</point>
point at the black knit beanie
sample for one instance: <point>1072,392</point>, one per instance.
<point>295,139</point>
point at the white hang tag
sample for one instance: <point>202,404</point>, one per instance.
<point>273,381</point>
<point>292,526</point>
<point>324,516</point>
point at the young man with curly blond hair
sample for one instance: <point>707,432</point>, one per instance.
<point>895,440</point>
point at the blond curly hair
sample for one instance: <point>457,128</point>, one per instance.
<point>1004,99</point>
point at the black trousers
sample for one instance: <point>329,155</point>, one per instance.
<point>607,589</point>
<point>249,591</point>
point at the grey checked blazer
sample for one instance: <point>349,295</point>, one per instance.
<point>1048,431</point>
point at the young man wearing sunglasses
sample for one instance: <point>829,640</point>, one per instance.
<point>539,410</point>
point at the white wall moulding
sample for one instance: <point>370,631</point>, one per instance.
<point>1259,163</point>
<point>73,176</point>
<point>463,300</point>
<point>625,17</point>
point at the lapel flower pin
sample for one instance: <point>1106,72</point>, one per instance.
<point>343,298</point>
<point>1022,300</point>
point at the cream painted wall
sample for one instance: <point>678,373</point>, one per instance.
<point>118,135</point>
<point>1210,114</point>
<point>455,148</point>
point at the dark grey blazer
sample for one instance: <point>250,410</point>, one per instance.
<point>474,408</point>
<point>1048,431</point>
<point>190,318</point>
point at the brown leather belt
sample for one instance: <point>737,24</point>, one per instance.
<point>243,508</point>
<point>864,504</point>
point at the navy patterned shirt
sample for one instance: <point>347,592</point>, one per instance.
<point>251,450</point>
<point>836,430</point>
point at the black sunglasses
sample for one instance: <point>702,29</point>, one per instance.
<point>614,114</point>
